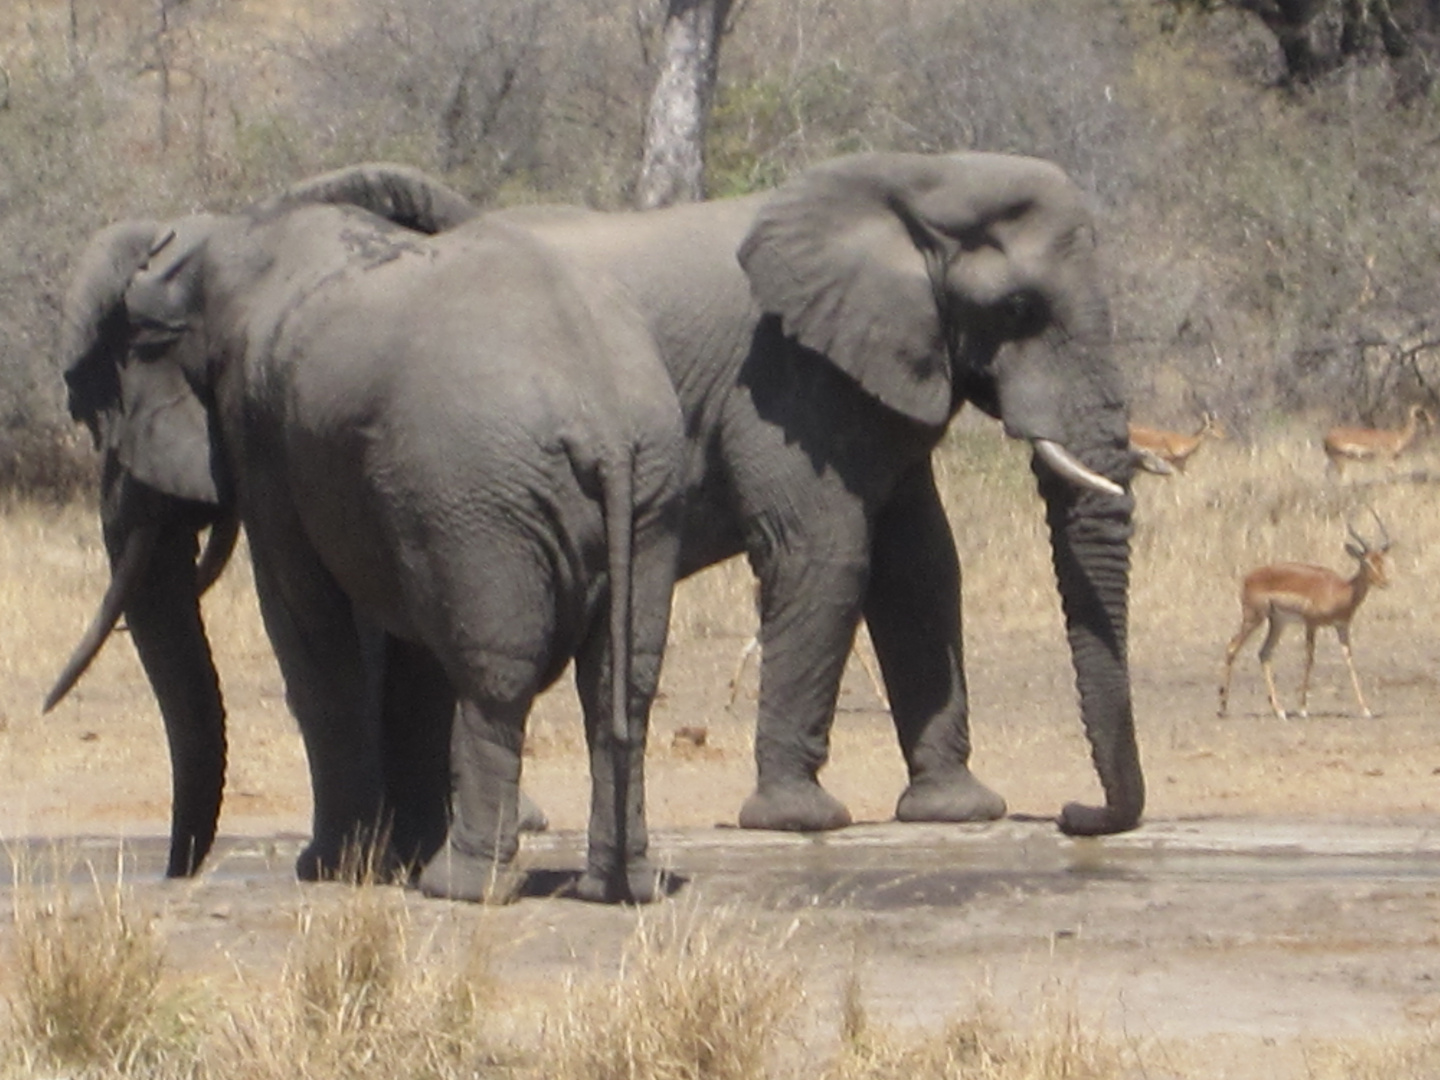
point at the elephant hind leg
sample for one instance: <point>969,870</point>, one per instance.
<point>617,865</point>
<point>475,863</point>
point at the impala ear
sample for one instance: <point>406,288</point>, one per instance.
<point>837,255</point>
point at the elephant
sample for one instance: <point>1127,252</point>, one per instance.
<point>820,338</point>
<point>457,463</point>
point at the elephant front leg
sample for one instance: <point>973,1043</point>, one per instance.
<point>810,611</point>
<point>475,864</point>
<point>330,689</point>
<point>912,609</point>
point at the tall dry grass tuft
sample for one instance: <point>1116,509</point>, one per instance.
<point>83,979</point>
<point>703,994</point>
<point>1058,1046</point>
<point>358,997</point>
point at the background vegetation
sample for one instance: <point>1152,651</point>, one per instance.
<point>1272,240</point>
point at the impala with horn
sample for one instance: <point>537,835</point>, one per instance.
<point>1314,595</point>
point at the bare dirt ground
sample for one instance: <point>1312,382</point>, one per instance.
<point>1283,894</point>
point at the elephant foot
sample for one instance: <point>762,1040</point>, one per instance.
<point>798,806</point>
<point>532,818</point>
<point>640,886</point>
<point>953,796</point>
<point>455,876</point>
<point>349,863</point>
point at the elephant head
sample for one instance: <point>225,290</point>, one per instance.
<point>136,370</point>
<point>936,280</point>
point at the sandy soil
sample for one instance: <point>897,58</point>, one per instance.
<point>1283,893</point>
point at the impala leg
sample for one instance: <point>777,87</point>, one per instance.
<point>751,648</point>
<point>1266,651</point>
<point>1343,633</point>
<point>1248,626</point>
<point>1305,678</point>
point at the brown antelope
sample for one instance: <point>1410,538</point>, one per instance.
<point>1315,595</point>
<point>1158,451</point>
<point>1344,444</point>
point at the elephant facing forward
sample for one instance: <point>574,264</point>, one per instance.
<point>872,298</point>
<point>457,466</point>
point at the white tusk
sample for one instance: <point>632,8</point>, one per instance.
<point>1067,465</point>
<point>1150,461</point>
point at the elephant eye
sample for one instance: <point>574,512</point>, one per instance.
<point>1021,315</point>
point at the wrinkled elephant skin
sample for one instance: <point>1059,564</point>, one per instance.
<point>820,339</point>
<point>457,465</point>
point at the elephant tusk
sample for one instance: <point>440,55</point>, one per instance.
<point>1065,464</point>
<point>219,546</point>
<point>1150,461</point>
<point>128,572</point>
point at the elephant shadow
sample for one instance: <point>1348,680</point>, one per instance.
<point>553,884</point>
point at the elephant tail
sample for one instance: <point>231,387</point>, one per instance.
<point>618,482</point>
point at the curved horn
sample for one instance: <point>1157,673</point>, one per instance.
<point>219,546</point>
<point>129,570</point>
<point>402,194</point>
<point>1066,465</point>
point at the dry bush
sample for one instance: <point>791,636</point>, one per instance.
<point>703,994</point>
<point>84,977</point>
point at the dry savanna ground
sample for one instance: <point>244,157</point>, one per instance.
<point>1093,974</point>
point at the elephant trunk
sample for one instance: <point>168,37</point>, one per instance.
<point>164,620</point>
<point>1090,543</point>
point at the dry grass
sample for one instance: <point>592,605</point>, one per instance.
<point>85,973</point>
<point>703,994</point>
<point>1057,1045</point>
<point>359,997</point>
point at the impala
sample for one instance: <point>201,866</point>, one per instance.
<point>1344,444</point>
<point>1315,595</point>
<point>1157,450</point>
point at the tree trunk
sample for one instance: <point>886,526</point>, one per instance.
<point>673,167</point>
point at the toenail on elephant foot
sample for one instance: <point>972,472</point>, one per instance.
<point>955,797</point>
<point>803,806</point>
<point>453,876</point>
<point>641,885</point>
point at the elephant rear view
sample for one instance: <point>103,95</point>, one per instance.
<point>483,481</point>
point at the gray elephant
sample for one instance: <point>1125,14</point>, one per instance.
<point>456,462</point>
<point>873,296</point>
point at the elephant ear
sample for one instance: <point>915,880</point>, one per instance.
<point>872,259</point>
<point>166,438</point>
<point>94,329</point>
<point>843,263</point>
<point>400,193</point>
